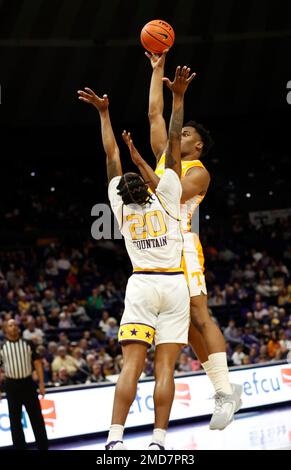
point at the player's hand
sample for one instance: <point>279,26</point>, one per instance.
<point>181,81</point>
<point>157,61</point>
<point>135,156</point>
<point>42,390</point>
<point>88,96</point>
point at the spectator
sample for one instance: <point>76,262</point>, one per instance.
<point>248,338</point>
<point>52,351</point>
<point>273,345</point>
<point>232,334</point>
<point>184,363</point>
<point>78,313</point>
<point>51,269</point>
<point>41,284</point>
<point>31,333</point>
<point>103,324</point>
<point>112,331</point>
<point>96,375</point>
<point>113,349</point>
<point>63,360</point>
<point>49,301</point>
<point>251,321</point>
<point>64,378</point>
<point>95,301</point>
<point>238,355</point>
<point>63,264</point>
<point>260,311</point>
<point>65,320</point>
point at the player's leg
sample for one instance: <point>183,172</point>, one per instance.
<point>216,364</point>
<point>171,334</point>
<point>166,356</point>
<point>213,341</point>
<point>200,318</point>
<point>197,343</point>
<point>136,333</point>
<point>134,355</point>
<point>228,396</point>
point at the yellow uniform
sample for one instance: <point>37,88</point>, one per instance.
<point>193,258</point>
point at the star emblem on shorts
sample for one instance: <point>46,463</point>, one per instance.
<point>133,332</point>
<point>148,335</point>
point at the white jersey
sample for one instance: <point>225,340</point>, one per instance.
<point>152,232</point>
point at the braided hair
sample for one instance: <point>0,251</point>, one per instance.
<point>133,189</point>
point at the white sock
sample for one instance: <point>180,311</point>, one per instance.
<point>159,436</point>
<point>207,368</point>
<point>115,433</point>
<point>219,372</point>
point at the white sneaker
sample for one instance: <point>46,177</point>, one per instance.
<point>225,407</point>
<point>115,445</point>
<point>156,446</point>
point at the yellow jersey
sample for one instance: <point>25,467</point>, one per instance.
<point>189,207</point>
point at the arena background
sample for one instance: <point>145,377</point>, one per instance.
<point>53,166</point>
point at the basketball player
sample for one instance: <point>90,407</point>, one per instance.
<point>157,297</point>
<point>205,337</point>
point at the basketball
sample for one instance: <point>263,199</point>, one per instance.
<point>156,36</point>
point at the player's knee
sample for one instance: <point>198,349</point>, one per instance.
<point>199,316</point>
<point>199,323</point>
<point>132,370</point>
<point>163,371</point>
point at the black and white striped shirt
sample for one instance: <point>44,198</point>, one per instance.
<point>16,358</point>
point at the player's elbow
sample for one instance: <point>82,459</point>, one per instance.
<point>112,154</point>
<point>154,114</point>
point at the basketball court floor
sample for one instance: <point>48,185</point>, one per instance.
<point>259,430</point>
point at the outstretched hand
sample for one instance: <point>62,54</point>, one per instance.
<point>181,81</point>
<point>88,96</point>
<point>156,59</point>
<point>135,156</point>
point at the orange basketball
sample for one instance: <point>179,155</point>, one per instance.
<point>156,36</point>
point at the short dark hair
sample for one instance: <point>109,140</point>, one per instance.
<point>204,134</point>
<point>133,189</point>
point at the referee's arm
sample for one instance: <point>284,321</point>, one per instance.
<point>39,371</point>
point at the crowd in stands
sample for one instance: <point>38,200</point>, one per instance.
<point>69,304</point>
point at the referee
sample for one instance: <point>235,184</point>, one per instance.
<point>17,356</point>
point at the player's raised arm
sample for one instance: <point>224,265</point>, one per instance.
<point>158,128</point>
<point>108,139</point>
<point>147,172</point>
<point>178,88</point>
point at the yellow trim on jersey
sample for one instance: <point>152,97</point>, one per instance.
<point>159,270</point>
<point>199,249</point>
<point>184,267</point>
<point>136,332</point>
